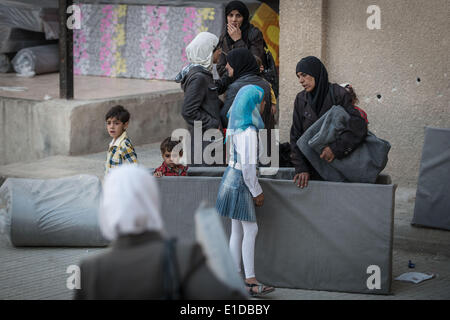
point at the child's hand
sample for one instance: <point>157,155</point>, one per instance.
<point>259,200</point>
<point>157,174</point>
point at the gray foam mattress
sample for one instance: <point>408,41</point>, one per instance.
<point>432,207</point>
<point>54,212</point>
<point>324,237</point>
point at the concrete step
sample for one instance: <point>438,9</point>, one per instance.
<point>34,128</point>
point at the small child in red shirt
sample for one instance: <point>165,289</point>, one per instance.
<point>171,165</point>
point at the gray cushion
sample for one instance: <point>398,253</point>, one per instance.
<point>432,208</point>
<point>323,237</point>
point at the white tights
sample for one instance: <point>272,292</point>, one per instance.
<point>243,243</point>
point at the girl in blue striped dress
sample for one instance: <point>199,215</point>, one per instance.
<point>239,190</point>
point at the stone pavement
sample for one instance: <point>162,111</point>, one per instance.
<point>40,273</point>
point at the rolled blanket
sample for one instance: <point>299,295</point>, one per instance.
<point>363,165</point>
<point>37,60</point>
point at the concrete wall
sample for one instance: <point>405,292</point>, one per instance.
<point>32,130</point>
<point>153,118</point>
<point>412,44</point>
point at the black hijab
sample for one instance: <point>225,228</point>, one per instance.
<point>243,10</point>
<point>315,68</point>
<point>243,62</point>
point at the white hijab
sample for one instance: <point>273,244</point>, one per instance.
<point>130,203</point>
<point>200,50</point>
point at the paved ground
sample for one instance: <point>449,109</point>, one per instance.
<point>40,273</point>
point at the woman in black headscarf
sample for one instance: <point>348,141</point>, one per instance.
<point>238,33</point>
<point>312,103</point>
<point>243,70</point>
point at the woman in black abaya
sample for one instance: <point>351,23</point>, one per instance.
<point>310,104</point>
<point>239,33</point>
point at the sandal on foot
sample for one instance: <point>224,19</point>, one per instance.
<point>261,289</point>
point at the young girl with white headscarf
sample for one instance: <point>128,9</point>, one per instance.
<point>239,190</point>
<point>137,266</point>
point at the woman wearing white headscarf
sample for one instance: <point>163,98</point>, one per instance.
<point>201,100</point>
<point>138,264</point>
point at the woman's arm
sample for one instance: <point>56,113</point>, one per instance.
<point>297,157</point>
<point>256,42</point>
<point>221,70</point>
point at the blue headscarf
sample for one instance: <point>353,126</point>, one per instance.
<point>244,111</point>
